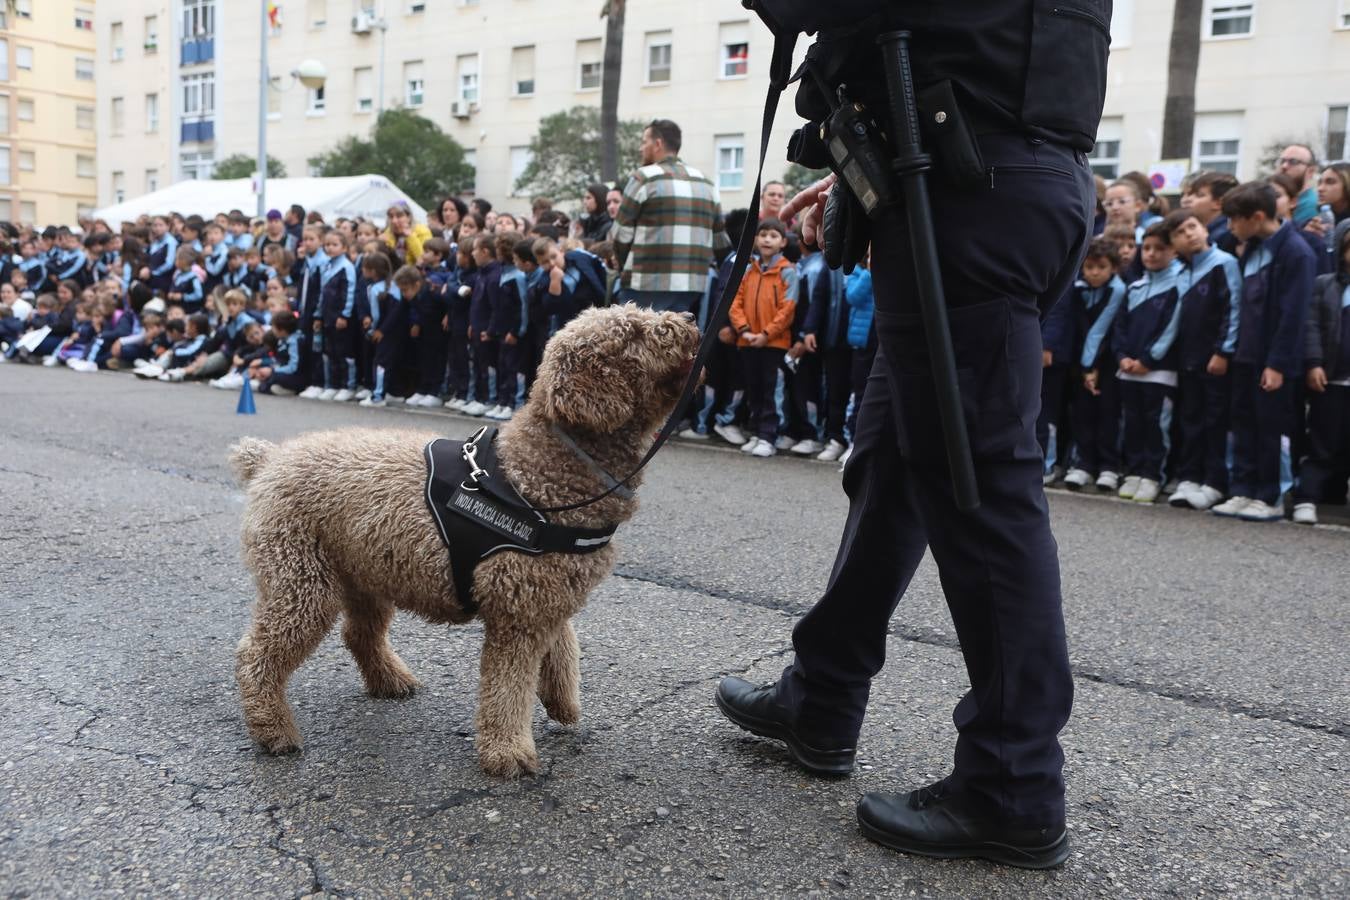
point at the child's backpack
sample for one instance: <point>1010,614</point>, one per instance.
<point>590,290</point>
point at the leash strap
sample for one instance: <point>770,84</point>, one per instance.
<point>780,74</point>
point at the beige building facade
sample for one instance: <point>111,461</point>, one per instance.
<point>488,70</point>
<point>48,116</point>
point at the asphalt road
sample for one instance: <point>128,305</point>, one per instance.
<point>1208,752</point>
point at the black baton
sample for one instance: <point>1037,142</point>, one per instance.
<point>910,164</point>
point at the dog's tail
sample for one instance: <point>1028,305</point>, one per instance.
<point>247,457</point>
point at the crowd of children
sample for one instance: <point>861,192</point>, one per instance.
<point>1204,354</point>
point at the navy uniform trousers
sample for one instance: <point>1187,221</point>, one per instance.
<point>1008,247</point>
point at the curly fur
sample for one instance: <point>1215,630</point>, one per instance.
<point>337,525</point>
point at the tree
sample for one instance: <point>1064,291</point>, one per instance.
<point>610,140</point>
<point>565,154</point>
<point>1183,61</point>
<point>241,165</point>
<point>797,178</point>
<point>409,150</point>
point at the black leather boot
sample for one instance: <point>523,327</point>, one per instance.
<point>757,710</point>
<point>933,822</point>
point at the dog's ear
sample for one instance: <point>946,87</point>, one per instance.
<point>587,380</point>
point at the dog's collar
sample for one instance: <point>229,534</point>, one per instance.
<point>611,483</point>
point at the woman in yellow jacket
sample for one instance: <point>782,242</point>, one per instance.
<point>762,315</point>
<point>404,235</point>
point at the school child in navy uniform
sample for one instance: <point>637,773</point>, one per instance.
<point>307,273</point>
<point>1327,359</point>
<point>458,350</point>
<point>337,304</point>
<point>1094,302</point>
<point>217,254</point>
<point>255,273</point>
<point>33,265</point>
<point>284,373</point>
<point>1210,289</point>
<point>162,254</point>
<point>429,329</point>
<point>175,362</point>
<point>487,285</point>
<point>536,288</point>
<point>1277,279</point>
<point>388,329</point>
<point>186,287</point>
<point>510,323</point>
<point>826,335</point>
<point>1143,342</point>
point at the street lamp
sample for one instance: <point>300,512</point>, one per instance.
<point>311,73</point>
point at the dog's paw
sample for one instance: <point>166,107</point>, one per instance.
<point>509,761</point>
<point>394,687</point>
<point>283,746</point>
<point>567,712</point>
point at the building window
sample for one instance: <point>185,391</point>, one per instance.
<point>84,118</point>
<point>4,115</point>
<point>590,64</point>
<point>119,115</point>
<point>84,167</point>
<point>522,71</point>
<point>363,81</point>
<point>735,49</point>
<point>1338,134</point>
<point>1227,19</point>
<point>151,180</point>
<point>151,43</point>
<point>467,67</point>
<point>199,19</point>
<point>658,57</point>
<point>731,162</point>
<point>1105,156</point>
<point>84,68</point>
<point>1218,155</point>
<point>23,9</point>
<point>274,98</point>
<point>199,95</point>
<point>6,205</point>
<point>1343,14</point>
<point>317,14</point>
<point>318,102</point>
<point>84,18</point>
<point>26,109</point>
<point>28,211</point>
<point>416,7</point>
<point>414,84</point>
<point>23,57</point>
<point>520,160</point>
<point>1218,142</point>
<point>4,59</point>
<point>117,42</point>
<point>471,160</point>
<point>151,113</point>
<point>27,161</point>
<point>5,175</point>
<point>197,166</point>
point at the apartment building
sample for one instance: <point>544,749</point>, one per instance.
<point>47,110</point>
<point>488,70</point>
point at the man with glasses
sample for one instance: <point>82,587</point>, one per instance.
<point>1299,161</point>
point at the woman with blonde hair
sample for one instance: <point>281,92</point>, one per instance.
<point>404,235</point>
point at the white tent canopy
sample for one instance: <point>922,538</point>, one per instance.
<point>368,196</point>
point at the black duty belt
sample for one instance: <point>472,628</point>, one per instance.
<point>479,513</point>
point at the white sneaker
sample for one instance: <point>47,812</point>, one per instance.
<point>414,400</point>
<point>807,447</point>
<point>1077,479</point>
<point>749,446</point>
<point>275,390</point>
<point>495,412</point>
<point>1233,507</point>
<point>843,460</point>
<point>1260,511</point>
<point>783,442</point>
<point>1146,491</point>
<point>456,403</point>
<point>731,434</point>
<point>692,434</point>
<point>475,408</point>
<point>1181,497</point>
<point>343,396</point>
<point>312,392</point>
<point>1305,513</point>
<point>763,449</point>
<point>255,383</point>
<point>51,360</point>
<point>1128,489</point>
<point>833,450</point>
<point>328,394</point>
<point>429,401</point>
<point>508,413</point>
<point>139,363</point>
<point>149,370</point>
<point>392,399</point>
<point>371,401</point>
<point>1108,481</point>
<point>1204,497</point>
<point>361,394</point>
<point>82,365</point>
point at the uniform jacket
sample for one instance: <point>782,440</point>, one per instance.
<point>1328,318</point>
<point>1146,327</point>
<point>510,314</point>
<point>337,290</point>
<point>1277,280</point>
<point>486,287</point>
<point>1210,288</point>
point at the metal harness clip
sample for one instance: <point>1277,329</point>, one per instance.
<point>470,454</point>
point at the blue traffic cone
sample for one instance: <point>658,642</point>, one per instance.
<point>246,407</point>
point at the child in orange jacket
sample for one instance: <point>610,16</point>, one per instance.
<point>762,315</point>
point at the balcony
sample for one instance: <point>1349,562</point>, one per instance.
<point>198,50</point>
<point>198,131</point>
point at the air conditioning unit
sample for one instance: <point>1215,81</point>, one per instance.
<point>363,21</point>
<point>461,109</point>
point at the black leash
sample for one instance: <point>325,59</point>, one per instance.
<point>780,72</point>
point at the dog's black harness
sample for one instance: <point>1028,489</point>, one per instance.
<point>479,513</point>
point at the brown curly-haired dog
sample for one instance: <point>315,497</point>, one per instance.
<point>337,524</point>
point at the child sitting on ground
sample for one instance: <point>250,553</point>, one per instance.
<point>284,375</point>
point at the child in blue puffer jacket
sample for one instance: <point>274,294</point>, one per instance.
<point>862,338</point>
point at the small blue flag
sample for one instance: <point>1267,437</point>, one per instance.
<point>246,407</point>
